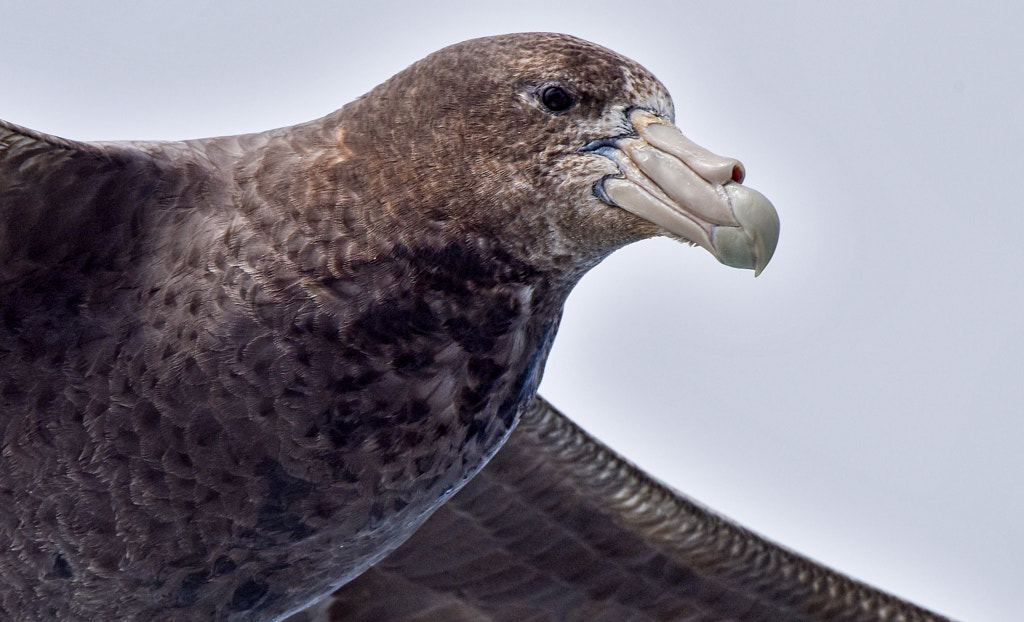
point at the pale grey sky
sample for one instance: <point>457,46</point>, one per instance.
<point>863,400</point>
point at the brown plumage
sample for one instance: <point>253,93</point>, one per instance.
<point>237,372</point>
<point>558,527</point>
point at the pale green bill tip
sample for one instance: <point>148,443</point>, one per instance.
<point>750,245</point>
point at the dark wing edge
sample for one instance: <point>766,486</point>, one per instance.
<point>62,199</point>
<point>559,527</point>
<point>10,130</point>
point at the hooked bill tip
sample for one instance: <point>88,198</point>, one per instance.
<point>751,245</point>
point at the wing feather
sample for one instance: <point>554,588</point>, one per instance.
<point>63,200</point>
<point>558,527</point>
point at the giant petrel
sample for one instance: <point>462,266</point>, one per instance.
<point>235,373</point>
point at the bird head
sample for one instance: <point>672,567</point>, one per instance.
<point>560,150</point>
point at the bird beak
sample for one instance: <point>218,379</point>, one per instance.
<point>692,193</point>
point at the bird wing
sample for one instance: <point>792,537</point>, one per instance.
<point>65,201</point>
<point>559,527</point>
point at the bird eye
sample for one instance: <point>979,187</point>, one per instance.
<point>556,99</point>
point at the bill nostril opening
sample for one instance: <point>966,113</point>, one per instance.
<point>738,173</point>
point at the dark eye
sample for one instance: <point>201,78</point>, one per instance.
<point>556,99</point>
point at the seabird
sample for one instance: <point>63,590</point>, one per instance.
<point>237,372</point>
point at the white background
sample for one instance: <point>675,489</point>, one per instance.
<point>862,400</point>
